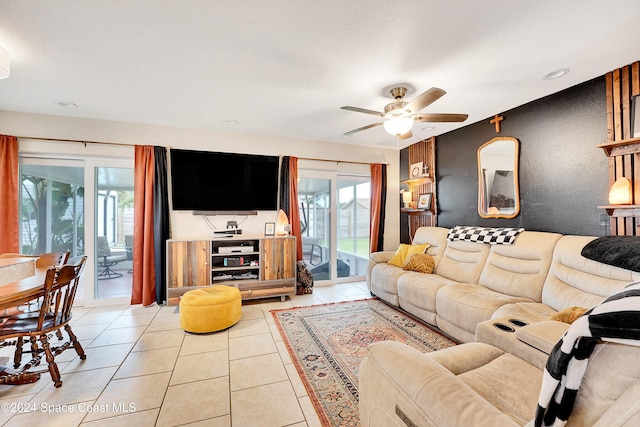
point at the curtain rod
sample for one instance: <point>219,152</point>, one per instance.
<point>336,161</point>
<point>122,144</point>
<point>81,141</point>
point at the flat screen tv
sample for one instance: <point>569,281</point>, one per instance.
<point>223,182</point>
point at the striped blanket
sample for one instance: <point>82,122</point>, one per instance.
<point>617,319</point>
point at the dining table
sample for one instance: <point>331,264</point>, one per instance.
<point>15,267</point>
<point>12,294</point>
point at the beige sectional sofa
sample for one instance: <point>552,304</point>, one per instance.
<point>537,275</point>
<point>476,384</point>
<point>496,299</point>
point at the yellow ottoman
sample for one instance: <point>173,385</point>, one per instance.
<point>210,309</point>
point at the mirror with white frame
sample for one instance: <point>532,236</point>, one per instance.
<point>498,192</point>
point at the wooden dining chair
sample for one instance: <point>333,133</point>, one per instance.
<point>56,295</point>
<point>50,259</point>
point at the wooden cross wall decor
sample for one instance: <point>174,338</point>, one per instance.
<point>496,121</point>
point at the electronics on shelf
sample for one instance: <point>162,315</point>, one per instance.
<point>233,262</point>
<point>227,232</point>
<point>235,249</point>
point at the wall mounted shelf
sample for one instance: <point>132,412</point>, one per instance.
<point>413,211</point>
<point>619,211</point>
<point>619,148</point>
<point>417,181</point>
<point>424,182</point>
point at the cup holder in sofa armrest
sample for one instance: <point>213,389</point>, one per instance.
<point>542,335</point>
<point>503,327</point>
<point>518,322</point>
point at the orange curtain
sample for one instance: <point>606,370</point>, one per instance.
<point>378,202</point>
<point>9,187</point>
<point>294,211</point>
<point>144,271</point>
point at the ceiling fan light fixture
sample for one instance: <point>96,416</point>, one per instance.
<point>398,125</point>
<point>400,115</point>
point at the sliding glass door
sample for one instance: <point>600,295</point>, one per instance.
<point>314,201</point>
<point>67,205</point>
<point>52,208</point>
<point>354,205</point>
<point>114,232</point>
<point>334,219</point>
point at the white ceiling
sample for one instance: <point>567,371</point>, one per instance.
<point>285,67</point>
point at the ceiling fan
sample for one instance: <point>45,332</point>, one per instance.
<point>401,115</point>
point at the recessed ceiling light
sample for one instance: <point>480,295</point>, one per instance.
<point>230,122</point>
<point>428,128</point>
<point>66,104</point>
<point>556,74</point>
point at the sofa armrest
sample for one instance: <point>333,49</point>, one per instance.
<point>396,378</point>
<point>458,362</point>
<point>383,256</point>
<point>376,258</point>
<point>542,335</point>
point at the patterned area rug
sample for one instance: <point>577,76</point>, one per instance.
<point>328,342</point>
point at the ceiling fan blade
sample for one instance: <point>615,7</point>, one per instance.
<point>424,99</point>
<point>351,132</point>
<point>406,135</point>
<point>444,117</point>
<point>363,110</point>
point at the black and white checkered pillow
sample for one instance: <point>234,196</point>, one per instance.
<point>491,236</point>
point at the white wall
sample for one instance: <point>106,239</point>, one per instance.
<point>184,224</point>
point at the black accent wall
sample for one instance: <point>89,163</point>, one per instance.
<point>563,175</point>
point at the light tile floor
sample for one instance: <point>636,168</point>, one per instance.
<point>142,369</point>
